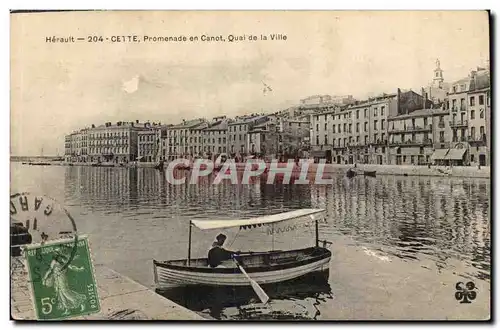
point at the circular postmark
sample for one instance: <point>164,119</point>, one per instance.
<point>38,219</point>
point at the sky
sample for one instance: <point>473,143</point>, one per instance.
<point>60,87</point>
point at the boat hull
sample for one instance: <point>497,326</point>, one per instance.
<point>168,276</point>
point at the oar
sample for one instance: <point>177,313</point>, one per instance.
<point>256,287</point>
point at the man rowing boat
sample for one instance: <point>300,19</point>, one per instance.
<point>217,254</point>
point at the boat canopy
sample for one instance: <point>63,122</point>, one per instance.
<point>218,224</point>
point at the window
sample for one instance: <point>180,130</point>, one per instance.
<point>350,114</point>
<point>383,136</point>
<point>425,122</point>
<point>340,129</point>
<point>382,111</point>
<point>333,127</point>
<point>375,125</point>
<point>357,139</point>
<point>472,101</point>
<point>366,139</point>
<point>345,128</point>
<point>317,139</point>
<point>350,128</point>
<point>481,99</point>
<point>375,111</point>
<point>357,127</point>
<point>481,113</point>
<point>326,127</point>
<point>357,114</point>
<point>366,113</point>
<point>382,124</point>
<point>326,139</point>
<point>375,136</point>
<point>317,127</point>
<point>473,132</point>
<point>472,114</point>
<point>454,105</point>
<point>366,127</point>
<point>481,131</point>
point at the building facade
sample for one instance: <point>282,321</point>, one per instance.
<point>215,137</point>
<point>149,142</point>
<point>238,131</point>
<point>179,142</point>
<point>117,143</point>
<point>414,137</point>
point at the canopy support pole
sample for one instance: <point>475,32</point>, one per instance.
<point>317,233</point>
<point>189,244</point>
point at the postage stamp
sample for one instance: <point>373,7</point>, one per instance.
<point>60,289</point>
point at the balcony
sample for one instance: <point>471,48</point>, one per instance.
<point>415,128</point>
<point>379,142</point>
<point>412,143</point>
<point>477,140</point>
<point>458,123</point>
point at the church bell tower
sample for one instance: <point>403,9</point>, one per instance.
<point>438,75</point>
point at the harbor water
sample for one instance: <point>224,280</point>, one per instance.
<point>132,216</point>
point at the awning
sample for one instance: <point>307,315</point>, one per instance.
<point>140,157</point>
<point>318,153</point>
<point>217,224</point>
<point>439,154</point>
<point>456,154</point>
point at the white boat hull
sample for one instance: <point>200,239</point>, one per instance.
<point>167,278</point>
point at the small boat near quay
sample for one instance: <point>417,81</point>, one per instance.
<point>351,173</point>
<point>370,173</point>
<point>248,268</point>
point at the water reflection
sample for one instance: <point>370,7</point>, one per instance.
<point>241,302</point>
<point>414,218</point>
<point>444,221</point>
<point>411,217</point>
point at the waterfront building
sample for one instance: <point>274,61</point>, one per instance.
<point>149,142</point>
<point>263,139</point>
<point>294,135</point>
<point>215,137</point>
<point>414,137</point>
<point>238,130</point>
<point>75,146</point>
<point>180,139</point>
<point>358,133</point>
<point>478,99</point>
<point>117,143</point>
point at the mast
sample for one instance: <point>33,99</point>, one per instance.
<point>189,244</point>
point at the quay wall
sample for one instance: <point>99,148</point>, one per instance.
<point>121,298</point>
<point>406,170</point>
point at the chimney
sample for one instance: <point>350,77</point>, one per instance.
<point>137,121</point>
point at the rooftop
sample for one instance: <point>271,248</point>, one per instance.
<point>219,126</point>
<point>188,123</point>
<point>420,113</point>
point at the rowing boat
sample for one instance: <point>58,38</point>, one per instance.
<point>370,173</point>
<point>262,267</point>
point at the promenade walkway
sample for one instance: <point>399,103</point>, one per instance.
<point>121,298</point>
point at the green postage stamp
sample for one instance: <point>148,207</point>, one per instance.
<point>62,279</point>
